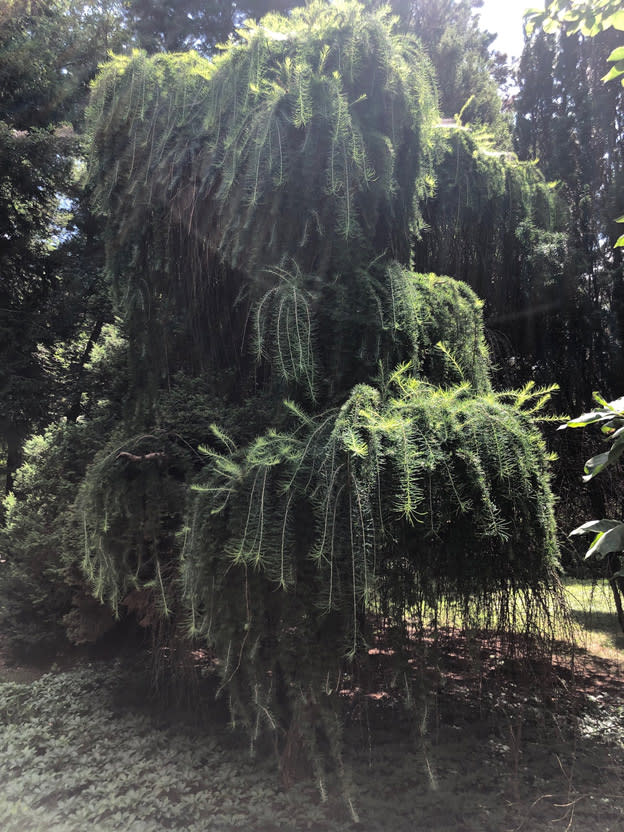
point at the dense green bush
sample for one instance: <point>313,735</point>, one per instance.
<point>39,577</point>
<point>44,595</point>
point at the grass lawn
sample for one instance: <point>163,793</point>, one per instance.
<point>486,748</point>
<point>594,609</point>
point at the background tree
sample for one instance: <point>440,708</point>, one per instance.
<point>468,75</point>
<point>573,124</point>
<point>510,250</point>
<point>597,20</point>
<point>164,25</point>
<point>36,160</point>
<point>571,120</point>
<point>51,294</point>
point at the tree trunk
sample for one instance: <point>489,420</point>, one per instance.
<point>616,583</point>
<point>13,455</point>
<point>74,410</point>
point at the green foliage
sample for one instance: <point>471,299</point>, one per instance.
<point>80,750</point>
<point>142,476</point>
<point>193,159</point>
<point>48,53</point>
<point>588,18</point>
<point>375,487</point>
<point>495,223</point>
<point>39,581</point>
<point>32,168</point>
<point>44,595</point>
<point>377,481</point>
<point>610,417</point>
<point>467,75</point>
<point>608,540</point>
<point>620,240</point>
<point>228,146</point>
<point>60,733</point>
<point>569,120</point>
<point>365,506</point>
<point>174,25</point>
<point>443,321</point>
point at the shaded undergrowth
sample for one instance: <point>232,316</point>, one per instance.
<point>485,742</point>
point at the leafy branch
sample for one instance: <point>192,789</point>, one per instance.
<point>608,538</point>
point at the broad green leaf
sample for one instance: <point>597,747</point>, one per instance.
<point>611,428</point>
<point>595,465</point>
<point>594,416</point>
<point>588,24</point>
<point>600,399</point>
<point>533,18</point>
<point>617,449</point>
<point>593,526</point>
<point>551,26</point>
<point>619,219</point>
<point>614,72</point>
<point>619,242</point>
<point>616,20</point>
<point>615,406</point>
<point>618,405</point>
<point>571,16</point>
<point>587,419</point>
<point>617,54</point>
<point>611,541</point>
<point>594,543</point>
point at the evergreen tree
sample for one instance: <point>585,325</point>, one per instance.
<point>176,25</point>
<point>495,223</point>
<point>34,164</point>
<point>392,477</point>
<point>468,76</point>
<point>53,296</point>
<point>574,19</point>
<point>571,121</point>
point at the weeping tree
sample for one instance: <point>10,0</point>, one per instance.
<point>311,451</point>
<point>495,223</point>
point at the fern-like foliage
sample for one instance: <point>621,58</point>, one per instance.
<point>283,329</point>
<point>260,211</point>
<point>495,223</point>
<point>300,147</point>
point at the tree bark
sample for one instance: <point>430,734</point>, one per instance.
<point>13,455</point>
<point>74,410</point>
<point>615,582</point>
